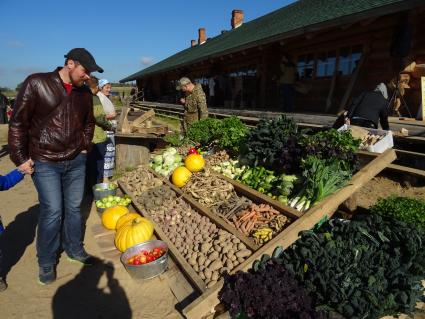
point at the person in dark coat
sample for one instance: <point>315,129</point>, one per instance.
<point>369,108</point>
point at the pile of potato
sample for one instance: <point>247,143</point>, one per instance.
<point>155,197</point>
<point>209,250</point>
<point>140,180</point>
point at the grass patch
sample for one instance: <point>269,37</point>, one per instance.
<point>10,94</point>
<point>173,124</point>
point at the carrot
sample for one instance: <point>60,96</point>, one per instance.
<point>247,216</point>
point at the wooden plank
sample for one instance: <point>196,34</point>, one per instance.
<point>407,170</point>
<point>186,268</point>
<point>145,116</point>
<point>123,125</point>
<point>157,130</point>
<point>325,209</point>
<point>255,195</point>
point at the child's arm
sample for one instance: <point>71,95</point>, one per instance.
<point>10,180</point>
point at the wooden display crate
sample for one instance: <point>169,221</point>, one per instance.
<point>208,301</point>
<point>188,271</point>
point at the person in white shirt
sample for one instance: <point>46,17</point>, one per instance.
<point>109,108</point>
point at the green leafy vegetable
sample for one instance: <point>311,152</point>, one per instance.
<point>231,133</point>
<point>322,178</point>
<point>204,131</point>
<point>266,142</point>
<point>368,267</point>
<point>409,210</point>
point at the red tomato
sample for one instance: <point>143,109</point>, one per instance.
<point>193,150</point>
<point>136,262</point>
<point>143,259</point>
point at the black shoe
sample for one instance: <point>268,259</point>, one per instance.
<point>47,275</point>
<point>84,259</point>
<point>3,285</point>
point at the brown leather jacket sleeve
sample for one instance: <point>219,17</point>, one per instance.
<point>89,128</point>
<point>18,137</point>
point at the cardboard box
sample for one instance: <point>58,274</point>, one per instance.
<point>379,147</point>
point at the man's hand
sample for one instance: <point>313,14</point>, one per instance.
<point>182,100</point>
<point>27,167</point>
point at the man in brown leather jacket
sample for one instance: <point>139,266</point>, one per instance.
<point>51,131</point>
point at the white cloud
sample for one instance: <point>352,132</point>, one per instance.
<point>146,61</point>
<point>15,44</point>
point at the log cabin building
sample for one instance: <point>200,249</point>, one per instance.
<point>339,47</point>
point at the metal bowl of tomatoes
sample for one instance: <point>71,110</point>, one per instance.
<point>146,260</point>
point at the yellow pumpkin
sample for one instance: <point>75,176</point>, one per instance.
<point>180,176</point>
<point>111,215</point>
<point>136,232</point>
<point>194,162</point>
<point>126,219</point>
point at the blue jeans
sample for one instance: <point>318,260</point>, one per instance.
<point>60,187</point>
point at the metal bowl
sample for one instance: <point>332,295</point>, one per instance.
<point>149,270</point>
<point>99,194</point>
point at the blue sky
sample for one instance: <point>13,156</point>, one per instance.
<point>123,36</point>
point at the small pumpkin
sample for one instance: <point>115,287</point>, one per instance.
<point>126,219</point>
<point>194,162</point>
<point>111,215</point>
<point>180,176</point>
<point>136,232</point>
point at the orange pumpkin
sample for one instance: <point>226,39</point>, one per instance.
<point>126,219</point>
<point>111,215</point>
<point>136,232</point>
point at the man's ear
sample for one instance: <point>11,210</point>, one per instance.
<point>70,64</point>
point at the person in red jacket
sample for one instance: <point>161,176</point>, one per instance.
<point>6,182</point>
<point>51,131</point>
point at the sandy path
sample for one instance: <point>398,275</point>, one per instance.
<point>79,292</point>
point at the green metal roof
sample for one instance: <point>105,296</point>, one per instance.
<point>289,20</point>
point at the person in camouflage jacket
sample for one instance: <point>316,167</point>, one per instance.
<point>195,103</point>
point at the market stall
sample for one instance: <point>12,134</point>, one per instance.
<point>219,213</point>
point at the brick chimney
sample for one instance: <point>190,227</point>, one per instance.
<point>193,43</point>
<point>201,36</point>
<point>237,18</point>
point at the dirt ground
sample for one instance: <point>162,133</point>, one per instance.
<point>382,187</point>
<point>79,292</point>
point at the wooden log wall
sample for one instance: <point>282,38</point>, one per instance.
<point>375,35</point>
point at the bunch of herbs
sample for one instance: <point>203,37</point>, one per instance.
<point>406,209</point>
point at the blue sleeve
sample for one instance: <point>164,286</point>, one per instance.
<point>10,180</point>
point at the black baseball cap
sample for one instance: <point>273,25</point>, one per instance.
<point>85,58</point>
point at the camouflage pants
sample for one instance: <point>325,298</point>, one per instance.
<point>188,119</point>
